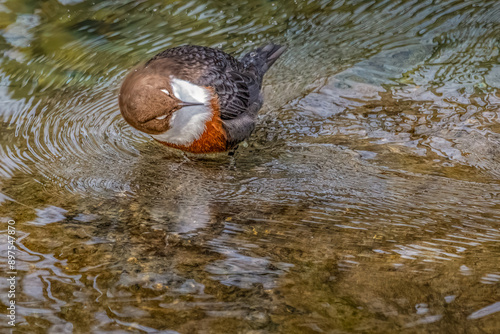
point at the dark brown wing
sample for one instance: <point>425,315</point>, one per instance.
<point>233,90</point>
<point>204,66</point>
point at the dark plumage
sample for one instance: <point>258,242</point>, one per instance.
<point>236,84</point>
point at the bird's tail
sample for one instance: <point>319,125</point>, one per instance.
<point>263,58</point>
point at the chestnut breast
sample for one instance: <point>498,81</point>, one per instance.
<point>212,140</point>
<point>195,129</point>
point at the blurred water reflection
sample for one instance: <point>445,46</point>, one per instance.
<point>366,201</point>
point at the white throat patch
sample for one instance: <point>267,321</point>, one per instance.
<point>188,123</point>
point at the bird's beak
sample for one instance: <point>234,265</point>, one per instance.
<point>190,104</point>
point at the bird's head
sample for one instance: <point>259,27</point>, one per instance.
<point>149,100</point>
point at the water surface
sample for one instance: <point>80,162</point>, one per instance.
<point>366,201</point>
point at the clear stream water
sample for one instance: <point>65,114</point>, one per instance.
<point>366,201</point>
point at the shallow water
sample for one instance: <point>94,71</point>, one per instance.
<point>366,201</point>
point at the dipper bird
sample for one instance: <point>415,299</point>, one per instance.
<point>197,99</point>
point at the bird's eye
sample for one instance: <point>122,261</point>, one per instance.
<point>165,91</point>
